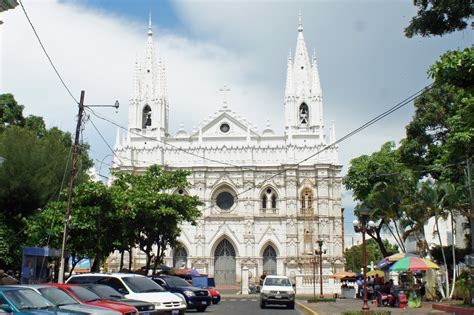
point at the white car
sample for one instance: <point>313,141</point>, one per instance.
<point>137,287</point>
<point>277,290</point>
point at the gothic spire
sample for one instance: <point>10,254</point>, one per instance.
<point>117,139</point>
<point>316,85</point>
<point>150,32</point>
<point>289,77</point>
<point>302,65</point>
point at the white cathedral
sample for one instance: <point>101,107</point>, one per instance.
<point>268,198</point>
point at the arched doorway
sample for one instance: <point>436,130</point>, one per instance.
<point>270,261</point>
<point>224,263</point>
<point>180,257</point>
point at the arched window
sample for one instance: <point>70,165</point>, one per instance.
<point>304,114</point>
<point>146,117</point>
<point>274,201</point>
<point>264,201</point>
<point>269,199</point>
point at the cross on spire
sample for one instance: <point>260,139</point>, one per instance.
<point>224,90</point>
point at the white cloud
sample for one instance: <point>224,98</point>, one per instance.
<point>366,64</point>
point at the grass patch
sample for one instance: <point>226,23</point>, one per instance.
<point>367,312</point>
<point>318,300</point>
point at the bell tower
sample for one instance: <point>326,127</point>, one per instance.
<point>148,107</point>
<point>303,96</point>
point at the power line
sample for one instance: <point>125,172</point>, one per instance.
<point>105,141</point>
<point>46,53</point>
<point>370,122</point>
<point>168,144</point>
<point>350,134</point>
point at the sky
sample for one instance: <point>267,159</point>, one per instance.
<point>366,64</point>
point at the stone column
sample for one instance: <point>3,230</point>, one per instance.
<point>245,281</point>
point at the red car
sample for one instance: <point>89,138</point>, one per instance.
<point>215,295</point>
<point>84,296</point>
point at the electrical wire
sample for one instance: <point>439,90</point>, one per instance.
<point>370,122</point>
<point>46,53</point>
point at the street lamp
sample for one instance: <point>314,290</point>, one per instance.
<point>364,226</point>
<point>320,251</point>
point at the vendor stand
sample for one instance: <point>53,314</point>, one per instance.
<point>348,289</point>
<point>413,264</point>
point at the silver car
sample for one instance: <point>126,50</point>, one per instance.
<point>63,301</point>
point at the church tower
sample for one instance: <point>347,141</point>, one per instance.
<point>148,107</point>
<point>303,96</point>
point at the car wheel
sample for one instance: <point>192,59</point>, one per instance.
<point>262,304</point>
<point>290,306</point>
<point>215,301</point>
<point>201,308</point>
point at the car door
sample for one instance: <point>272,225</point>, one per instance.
<point>116,284</point>
<point>162,283</point>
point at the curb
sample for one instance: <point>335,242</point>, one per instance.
<point>306,309</point>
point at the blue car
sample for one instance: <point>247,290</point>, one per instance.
<point>18,300</point>
<point>196,298</point>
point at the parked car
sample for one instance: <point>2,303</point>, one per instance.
<point>65,302</point>
<point>207,283</point>
<point>84,296</point>
<point>18,300</point>
<point>196,298</point>
<point>215,295</point>
<point>277,290</point>
<point>138,287</point>
<point>108,293</point>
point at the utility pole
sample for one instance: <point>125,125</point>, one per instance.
<point>471,198</point>
<point>67,216</point>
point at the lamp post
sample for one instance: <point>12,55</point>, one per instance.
<point>364,226</point>
<point>320,251</point>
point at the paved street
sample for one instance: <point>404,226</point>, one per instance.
<point>248,306</point>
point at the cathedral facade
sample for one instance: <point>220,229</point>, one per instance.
<point>268,198</point>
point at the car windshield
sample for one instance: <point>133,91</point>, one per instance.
<point>27,299</point>
<point>105,292</point>
<point>284,282</point>
<point>57,296</point>
<point>176,282</point>
<point>84,295</point>
<point>142,284</point>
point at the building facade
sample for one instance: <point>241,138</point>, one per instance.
<point>268,198</point>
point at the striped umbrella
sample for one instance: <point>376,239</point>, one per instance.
<point>389,260</point>
<point>413,264</point>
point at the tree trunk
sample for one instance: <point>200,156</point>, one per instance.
<point>121,259</point>
<point>96,265</point>
<point>453,247</point>
<point>444,257</point>
<point>130,249</point>
<point>379,241</point>
<point>401,244</point>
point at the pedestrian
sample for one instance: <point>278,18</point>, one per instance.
<point>262,277</point>
<point>360,285</point>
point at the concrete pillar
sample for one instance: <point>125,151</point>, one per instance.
<point>245,281</point>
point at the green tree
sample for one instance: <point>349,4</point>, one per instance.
<point>158,213</point>
<point>11,113</point>
<point>91,232</point>
<point>353,255</point>
<point>380,181</point>
<point>440,137</point>
<point>437,17</point>
<point>34,162</point>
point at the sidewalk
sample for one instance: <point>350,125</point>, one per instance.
<point>347,305</point>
